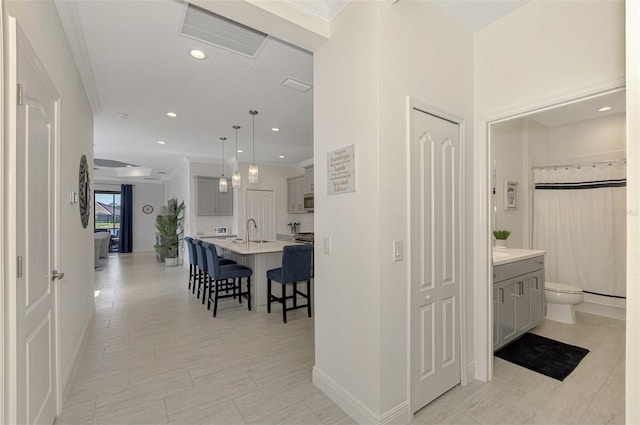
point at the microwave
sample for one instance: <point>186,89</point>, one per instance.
<point>308,202</point>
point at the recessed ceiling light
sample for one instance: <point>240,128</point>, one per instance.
<point>281,156</point>
<point>122,115</point>
<point>240,151</point>
<point>197,54</point>
<point>605,109</point>
<point>275,129</point>
<point>172,114</point>
<point>160,142</point>
<point>129,165</point>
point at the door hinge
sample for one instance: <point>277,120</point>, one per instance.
<point>19,94</point>
<point>19,266</point>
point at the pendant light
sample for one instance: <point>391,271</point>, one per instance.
<point>223,179</point>
<point>236,179</point>
<point>253,168</point>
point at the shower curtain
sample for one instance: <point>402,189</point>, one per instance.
<point>580,220</point>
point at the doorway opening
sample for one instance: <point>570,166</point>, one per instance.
<point>107,216</point>
<point>567,137</point>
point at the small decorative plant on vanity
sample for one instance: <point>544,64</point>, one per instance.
<point>169,226</point>
<point>501,238</point>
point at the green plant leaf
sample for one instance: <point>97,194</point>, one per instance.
<point>169,226</point>
<point>501,234</point>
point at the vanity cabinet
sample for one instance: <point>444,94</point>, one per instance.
<point>518,299</point>
<point>209,200</point>
<point>295,195</point>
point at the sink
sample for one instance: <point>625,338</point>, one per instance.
<point>261,241</point>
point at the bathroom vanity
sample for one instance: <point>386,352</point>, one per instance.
<point>518,293</point>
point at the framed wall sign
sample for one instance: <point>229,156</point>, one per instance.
<point>341,171</point>
<point>510,195</point>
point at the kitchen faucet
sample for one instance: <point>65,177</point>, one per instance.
<point>254,225</point>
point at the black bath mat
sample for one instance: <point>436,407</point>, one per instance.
<point>543,355</point>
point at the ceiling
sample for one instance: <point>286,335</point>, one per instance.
<point>585,109</point>
<point>136,67</point>
<point>141,69</point>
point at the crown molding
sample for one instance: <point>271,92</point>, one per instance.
<point>68,11</point>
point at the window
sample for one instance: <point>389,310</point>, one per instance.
<point>107,216</point>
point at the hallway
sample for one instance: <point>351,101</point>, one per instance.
<point>155,355</point>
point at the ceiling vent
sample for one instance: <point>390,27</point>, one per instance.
<point>111,163</point>
<point>296,85</point>
<point>222,32</point>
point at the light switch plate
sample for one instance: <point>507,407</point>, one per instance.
<point>397,251</point>
<point>326,245</point>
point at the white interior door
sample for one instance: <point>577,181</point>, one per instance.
<point>260,205</point>
<point>435,256</point>
<point>33,120</point>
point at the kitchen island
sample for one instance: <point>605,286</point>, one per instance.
<point>259,257</point>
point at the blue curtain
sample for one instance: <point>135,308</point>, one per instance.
<point>125,244</point>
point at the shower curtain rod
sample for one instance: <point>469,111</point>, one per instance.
<point>578,164</point>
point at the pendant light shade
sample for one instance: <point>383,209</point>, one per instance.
<point>223,180</point>
<point>253,168</point>
<point>236,179</point>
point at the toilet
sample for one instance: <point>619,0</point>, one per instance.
<point>560,301</point>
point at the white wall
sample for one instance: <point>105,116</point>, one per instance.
<point>144,225</point>
<point>592,140</point>
<point>507,150</point>
<point>41,24</point>
<point>378,54</point>
<point>632,366</point>
<point>539,55</point>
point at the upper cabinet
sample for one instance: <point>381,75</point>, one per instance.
<point>295,195</point>
<point>308,179</point>
<point>209,200</point>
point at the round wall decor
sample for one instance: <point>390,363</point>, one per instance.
<point>84,198</point>
<point>147,209</point>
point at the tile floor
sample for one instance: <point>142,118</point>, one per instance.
<point>156,356</point>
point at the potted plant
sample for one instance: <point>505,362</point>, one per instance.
<point>169,226</point>
<point>501,238</point>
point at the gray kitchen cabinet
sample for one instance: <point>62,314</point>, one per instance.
<point>308,179</point>
<point>295,195</point>
<point>209,200</point>
<point>518,299</point>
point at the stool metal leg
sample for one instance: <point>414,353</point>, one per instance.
<point>268,295</point>
<point>284,302</point>
<point>309,297</point>
<point>248,290</point>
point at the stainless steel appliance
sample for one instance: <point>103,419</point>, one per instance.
<point>308,203</point>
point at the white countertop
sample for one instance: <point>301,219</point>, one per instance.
<point>509,255</point>
<point>212,236</point>
<point>254,247</point>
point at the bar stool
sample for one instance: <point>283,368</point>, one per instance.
<point>296,267</point>
<point>201,257</point>
<point>193,260</point>
<point>227,278</point>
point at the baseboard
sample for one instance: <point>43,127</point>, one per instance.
<point>355,408</point>
<point>618,313</point>
<point>66,379</point>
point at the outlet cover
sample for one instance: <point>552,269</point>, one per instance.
<point>326,245</point>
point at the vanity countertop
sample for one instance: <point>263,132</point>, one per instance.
<point>509,255</point>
